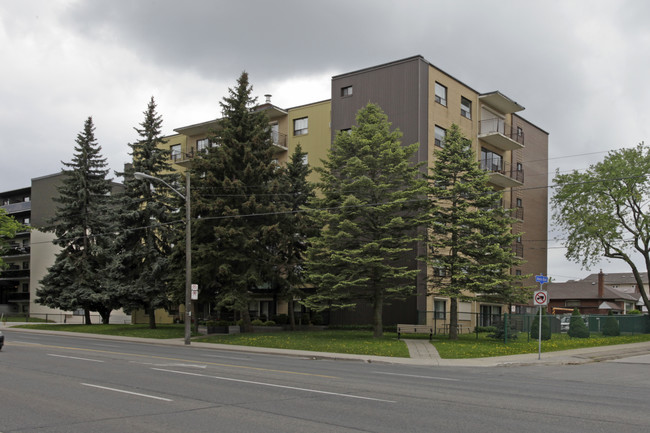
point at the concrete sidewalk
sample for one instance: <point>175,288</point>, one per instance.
<point>422,352</point>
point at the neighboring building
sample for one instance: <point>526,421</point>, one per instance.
<point>591,296</point>
<point>623,282</point>
<point>32,252</point>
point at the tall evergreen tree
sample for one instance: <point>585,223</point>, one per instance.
<point>368,214</point>
<point>147,222</point>
<point>235,187</point>
<point>82,223</point>
<point>296,227</point>
<point>470,232</point>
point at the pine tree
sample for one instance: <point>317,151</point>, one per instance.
<point>470,234</point>
<point>235,188</point>
<point>147,222</point>
<point>368,214</point>
<point>296,227</point>
<point>82,224</point>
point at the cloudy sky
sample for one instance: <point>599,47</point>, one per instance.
<point>579,67</point>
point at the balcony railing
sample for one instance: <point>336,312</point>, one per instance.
<point>14,274</point>
<point>279,140</point>
<point>500,134</point>
<point>21,206</point>
<point>518,213</point>
<point>504,174</point>
<point>16,251</point>
<point>518,249</point>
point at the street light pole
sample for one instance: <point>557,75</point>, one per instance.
<point>188,247</point>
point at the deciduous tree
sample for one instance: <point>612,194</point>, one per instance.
<point>604,211</point>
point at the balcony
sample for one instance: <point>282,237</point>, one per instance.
<point>14,274</point>
<point>517,213</point>
<point>500,134</point>
<point>501,173</point>
<point>518,249</point>
<point>279,141</point>
<point>16,251</point>
<point>21,206</point>
<point>18,297</point>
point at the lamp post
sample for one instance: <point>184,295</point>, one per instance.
<point>188,247</point>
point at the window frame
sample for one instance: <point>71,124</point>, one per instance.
<point>175,150</point>
<point>436,141</point>
<point>346,91</point>
<point>466,103</point>
<point>300,131</point>
<point>439,98</point>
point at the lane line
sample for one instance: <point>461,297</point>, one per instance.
<point>229,379</point>
<point>419,377</point>
<point>127,392</point>
<point>80,349</point>
<point>74,357</point>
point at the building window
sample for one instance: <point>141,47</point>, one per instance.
<point>301,126</point>
<point>465,107</point>
<point>490,314</point>
<point>26,199</point>
<point>439,309</point>
<point>441,94</point>
<point>176,152</point>
<point>571,304</point>
<point>520,132</point>
<point>490,161</point>
<point>518,272</point>
<point>440,136</point>
<point>26,221</point>
<point>520,202</point>
<point>346,91</point>
<point>305,159</point>
<point>520,166</point>
<point>202,145</point>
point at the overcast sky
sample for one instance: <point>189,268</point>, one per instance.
<point>579,67</point>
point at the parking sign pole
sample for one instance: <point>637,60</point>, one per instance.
<point>541,298</point>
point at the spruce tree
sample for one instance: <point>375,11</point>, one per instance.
<point>235,188</point>
<point>147,222</point>
<point>368,212</point>
<point>9,227</point>
<point>470,233</point>
<point>296,227</point>
<point>546,327</point>
<point>82,223</point>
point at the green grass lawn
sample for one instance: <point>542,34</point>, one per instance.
<point>138,331</point>
<point>358,342</point>
<point>467,346</point>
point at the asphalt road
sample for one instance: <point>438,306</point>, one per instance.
<point>53,383</point>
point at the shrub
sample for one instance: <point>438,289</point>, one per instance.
<point>577,327</point>
<point>281,319</point>
<point>546,327</point>
<point>499,332</point>
<point>316,319</point>
<point>634,312</point>
<point>257,322</point>
<point>611,328</point>
<point>269,323</point>
<point>485,329</point>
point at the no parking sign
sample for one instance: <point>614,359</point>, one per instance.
<point>540,298</point>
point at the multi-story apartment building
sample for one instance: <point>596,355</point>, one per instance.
<point>422,101</point>
<point>32,252</point>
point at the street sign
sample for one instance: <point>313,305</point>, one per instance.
<point>195,292</point>
<point>541,279</point>
<point>540,298</point>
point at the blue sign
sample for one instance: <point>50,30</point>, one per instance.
<point>541,279</point>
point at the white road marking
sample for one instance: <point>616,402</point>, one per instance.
<point>419,377</point>
<point>274,385</point>
<point>74,357</point>
<point>126,392</point>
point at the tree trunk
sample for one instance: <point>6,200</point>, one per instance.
<point>87,317</point>
<point>292,316</point>
<point>377,323</point>
<point>105,314</point>
<point>246,321</point>
<point>453,319</point>
<point>152,318</point>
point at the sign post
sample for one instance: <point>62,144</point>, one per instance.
<point>540,299</point>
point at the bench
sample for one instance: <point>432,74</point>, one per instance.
<point>414,329</point>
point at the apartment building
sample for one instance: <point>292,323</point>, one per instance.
<point>423,101</point>
<point>32,252</point>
